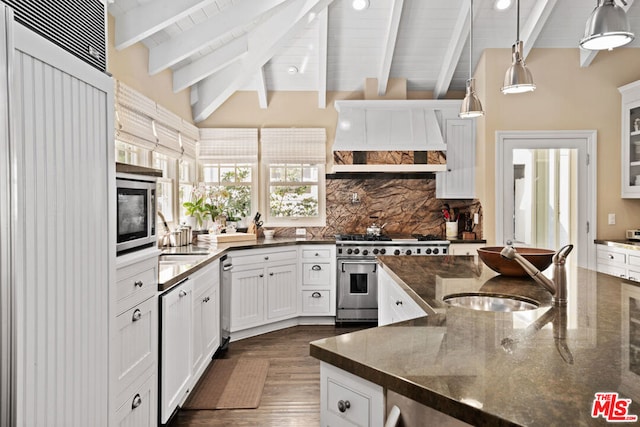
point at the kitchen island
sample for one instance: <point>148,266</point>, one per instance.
<point>540,367</point>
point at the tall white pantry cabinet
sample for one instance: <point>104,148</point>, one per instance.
<point>57,243</point>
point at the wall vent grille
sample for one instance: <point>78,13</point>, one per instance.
<point>77,26</point>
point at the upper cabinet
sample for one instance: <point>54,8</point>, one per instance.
<point>458,181</point>
<point>630,140</point>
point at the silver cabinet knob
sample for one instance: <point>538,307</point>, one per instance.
<point>343,405</point>
<point>137,401</point>
<point>266,258</point>
<point>610,256</point>
<point>137,315</point>
<point>316,268</point>
<point>270,274</point>
<point>138,283</point>
<point>182,293</point>
<point>261,275</point>
<point>316,295</point>
<point>317,254</point>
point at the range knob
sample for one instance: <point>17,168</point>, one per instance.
<point>396,252</point>
<point>408,252</point>
<point>365,252</point>
<point>375,251</point>
<point>356,251</point>
<point>383,251</point>
<point>435,251</point>
<point>349,251</point>
<point>427,251</point>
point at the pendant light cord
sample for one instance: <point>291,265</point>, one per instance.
<point>471,41</point>
<point>518,21</point>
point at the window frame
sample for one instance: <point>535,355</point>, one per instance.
<point>253,184</point>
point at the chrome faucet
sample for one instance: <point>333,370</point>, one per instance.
<point>558,286</point>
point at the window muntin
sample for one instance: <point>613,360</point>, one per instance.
<point>230,188</point>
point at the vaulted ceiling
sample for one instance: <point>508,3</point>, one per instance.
<point>216,47</point>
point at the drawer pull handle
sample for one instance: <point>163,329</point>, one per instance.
<point>316,295</point>
<point>632,278</point>
<point>343,405</point>
<point>182,293</point>
<point>137,315</point>
<point>316,268</point>
<point>270,274</point>
<point>138,283</point>
<point>622,276</point>
<point>261,275</point>
<point>266,258</point>
<point>206,299</point>
<point>611,256</point>
<point>317,254</point>
<point>137,401</point>
<point>399,302</point>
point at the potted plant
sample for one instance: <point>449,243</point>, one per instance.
<point>196,208</point>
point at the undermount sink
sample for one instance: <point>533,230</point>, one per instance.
<point>181,259</point>
<point>491,302</point>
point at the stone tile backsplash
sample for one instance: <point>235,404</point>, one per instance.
<point>407,206</point>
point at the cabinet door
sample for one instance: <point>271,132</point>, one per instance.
<point>140,407</point>
<point>281,291</point>
<point>210,321</point>
<point>247,299</point>
<point>458,181</point>
<point>631,145</point>
<point>177,309</point>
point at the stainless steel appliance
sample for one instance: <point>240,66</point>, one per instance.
<point>633,234</point>
<point>135,212</point>
<point>226,265</point>
<point>357,270</point>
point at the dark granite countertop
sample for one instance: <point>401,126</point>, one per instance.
<point>170,275</point>
<point>621,243</point>
<point>501,368</point>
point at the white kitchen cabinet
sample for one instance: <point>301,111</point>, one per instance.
<point>347,400</point>
<point>394,304</point>
<point>175,347</point>
<point>206,316</point>
<point>630,167</point>
<point>465,248</point>
<point>618,261</point>
<point>318,283</point>
<point>263,287</point>
<point>458,181</point>
<point>134,340</point>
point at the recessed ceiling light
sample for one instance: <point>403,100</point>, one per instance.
<point>292,70</point>
<point>360,4</point>
<point>502,4</point>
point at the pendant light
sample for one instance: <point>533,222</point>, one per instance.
<point>518,78</point>
<point>607,27</point>
<point>471,106</point>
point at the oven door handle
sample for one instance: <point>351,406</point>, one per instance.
<point>374,263</point>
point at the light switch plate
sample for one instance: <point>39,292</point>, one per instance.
<point>612,219</point>
<point>301,231</point>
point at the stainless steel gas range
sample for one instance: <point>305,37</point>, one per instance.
<point>357,280</point>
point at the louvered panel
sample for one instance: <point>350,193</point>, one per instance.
<point>62,254</point>
<point>76,26</point>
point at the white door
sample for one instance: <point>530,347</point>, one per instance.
<point>545,191</point>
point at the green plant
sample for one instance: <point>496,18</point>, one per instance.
<point>196,209</point>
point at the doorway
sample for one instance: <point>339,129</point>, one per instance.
<point>546,190</point>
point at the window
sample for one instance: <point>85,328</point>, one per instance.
<point>164,192</point>
<point>131,154</point>
<point>186,178</point>
<point>229,160</point>
<point>294,176</point>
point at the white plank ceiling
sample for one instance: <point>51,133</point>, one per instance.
<point>216,47</point>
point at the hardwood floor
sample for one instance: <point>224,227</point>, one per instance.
<point>291,395</point>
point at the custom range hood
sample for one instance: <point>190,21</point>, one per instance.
<point>392,136</point>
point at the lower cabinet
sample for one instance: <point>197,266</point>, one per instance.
<point>263,287</point>
<point>618,261</point>
<point>190,335</point>
<point>394,304</point>
<point>318,280</point>
<point>134,340</point>
<point>347,400</point>
<point>175,347</point>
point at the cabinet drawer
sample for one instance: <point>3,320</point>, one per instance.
<point>317,273</point>
<point>316,253</point>
<point>316,302</point>
<point>359,405</point>
<point>634,275</point>
<point>139,408</point>
<point>608,255</point>
<point>257,258</point>
<point>612,270</point>
<point>136,342</point>
<point>136,283</point>
<point>634,260</point>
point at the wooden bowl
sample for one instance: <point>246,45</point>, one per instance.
<point>540,258</point>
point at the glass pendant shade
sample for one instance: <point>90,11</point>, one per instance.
<point>607,27</point>
<point>471,105</point>
<point>518,78</point>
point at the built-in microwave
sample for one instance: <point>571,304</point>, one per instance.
<point>135,212</point>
